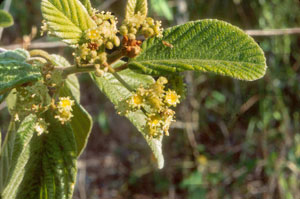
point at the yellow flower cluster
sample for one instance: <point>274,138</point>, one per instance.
<point>64,109</point>
<point>156,102</point>
<point>98,39</point>
<point>138,24</point>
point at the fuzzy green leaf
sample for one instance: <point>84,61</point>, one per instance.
<point>6,154</point>
<point>135,6</point>
<point>87,4</point>
<point>82,122</point>
<point>117,93</point>
<point>67,19</point>
<point>15,73</point>
<point>42,166</point>
<point>205,45</point>
<point>6,19</point>
<point>15,55</point>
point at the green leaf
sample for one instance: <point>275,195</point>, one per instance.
<point>42,166</point>
<point>135,6</point>
<point>82,122</point>
<point>162,8</point>
<point>15,55</point>
<point>6,19</point>
<point>87,4</point>
<point>117,93</point>
<point>205,45</point>
<point>14,70</point>
<point>6,154</point>
<point>16,73</point>
<point>67,19</point>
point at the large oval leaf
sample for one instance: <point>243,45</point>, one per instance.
<point>67,19</point>
<point>41,166</point>
<point>117,93</point>
<point>205,45</point>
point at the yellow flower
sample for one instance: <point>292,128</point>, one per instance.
<point>136,101</point>
<point>171,98</point>
<point>41,127</point>
<point>93,34</point>
<point>154,121</point>
<point>64,108</point>
<point>65,104</point>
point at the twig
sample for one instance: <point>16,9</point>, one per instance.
<point>273,32</point>
<point>40,45</point>
<point>119,78</point>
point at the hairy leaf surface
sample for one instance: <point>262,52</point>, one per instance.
<point>135,6</point>
<point>67,19</point>
<point>6,154</point>
<point>42,166</point>
<point>6,19</point>
<point>87,4</point>
<point>117,94</point>
<point>15,55</point>
<point>205,45</point>
<point>15,73</point>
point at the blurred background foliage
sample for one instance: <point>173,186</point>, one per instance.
<point>232,139</point>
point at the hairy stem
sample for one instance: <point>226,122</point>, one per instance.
<point>115,56</point>
<point>120,68</point>
<point>119,78</point>
<point>75,69</point>
<point>43,54</point>
<point>111,58</point>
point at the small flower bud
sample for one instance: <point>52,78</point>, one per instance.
<point>109,45</point>
<point>131,36</point>
<point>123,30</point>
<point>116,41</point>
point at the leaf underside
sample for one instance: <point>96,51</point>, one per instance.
<point>135,6</point>
<point>42,166</point>
<point>81,121</point>
<point>205,45</point>
<point>118,94</point>
<point>67,19</point>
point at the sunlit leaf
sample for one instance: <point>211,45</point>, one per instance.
<point>135,6</point>
<point>205,45</point>
<point>67,19</point>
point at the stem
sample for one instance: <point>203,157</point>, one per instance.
<point>120,68</point>
<point>115,56</point>
<point>75,69</point>
<point>118,77</point>
<point>43,54</point>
